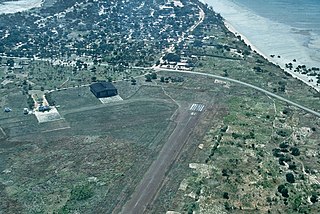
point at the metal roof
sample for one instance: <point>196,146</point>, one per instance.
<point>102,86</point>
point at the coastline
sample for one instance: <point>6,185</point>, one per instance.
<point>8,7</point>
<point>267,38</point>
<point>296,75</point>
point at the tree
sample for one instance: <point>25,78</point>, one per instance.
<point>133,81</point>
<point>227,206</point>
<point>225,195</point>
<point>82,192</point>
<point>295,151</point>
<point>290,177</point>
<point>10,62</point>
<point>148,78</point>
<point>283,190</point>
<point>153,76</point>
<point>93,79</point>
<point>171,57</point>
<point>161,79</point>
<point>30,102</point>
<point>225,172</point>
<point>314,198</point>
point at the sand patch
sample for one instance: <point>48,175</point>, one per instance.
<point>203,169</point>
<point>48,116</point>
<point>112,99</point>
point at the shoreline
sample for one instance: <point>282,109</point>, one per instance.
<point>9,7</point>
<point>269,39</point>
<point>301,77</point>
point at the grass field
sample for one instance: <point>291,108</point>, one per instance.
<point>83,166</point>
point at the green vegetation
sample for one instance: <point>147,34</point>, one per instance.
<point>248,152</point>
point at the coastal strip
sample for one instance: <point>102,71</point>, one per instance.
<point>273,41</point>
<point>301,77</point>
<point>8,7</point>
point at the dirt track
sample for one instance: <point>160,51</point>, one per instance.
<point>153,178</point>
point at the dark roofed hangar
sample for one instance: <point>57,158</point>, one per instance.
<point>103,89</point>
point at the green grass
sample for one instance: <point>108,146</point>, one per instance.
<point>98,161</point>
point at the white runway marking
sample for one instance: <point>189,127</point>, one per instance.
<point>68,127</point>
<point>197,107</point>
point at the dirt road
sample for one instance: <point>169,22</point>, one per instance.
<point>149,186</point>
<point>314,112</point>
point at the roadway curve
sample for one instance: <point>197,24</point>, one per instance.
<point>245,84</point>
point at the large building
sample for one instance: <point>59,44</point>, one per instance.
<point>103,89</point>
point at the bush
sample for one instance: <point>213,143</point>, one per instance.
<point>314,198</point>
<point>153,76</point>
<point>283,190</point>
<point>133,81</point>
<point>81,192</point>
<point>290,177</point>
<point>277,153</point>
<point>225,195</point>
<point>227,206</point>
<point>284,145</point>
<point>172,57</point>
<point>295,151</point>
<point>284,159</point>
<point>283,133</point>
<point>30,102</point>
<point>148,78</point>
<point>225,172</point>
<point>292,166</point>
<point>224,129</point>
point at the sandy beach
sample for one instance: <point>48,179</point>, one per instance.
<point>268,38</point>
<point>19,6</point>
<point>303,78</point>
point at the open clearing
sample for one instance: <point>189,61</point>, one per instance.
<point>94,149</point>
<point>48,116</point>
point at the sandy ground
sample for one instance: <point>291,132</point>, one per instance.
<point>277,61</point>
<point>110,99</point>
<point>48,116</point>
<point>19,6</point>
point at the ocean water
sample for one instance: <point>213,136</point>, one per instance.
<point>288,28</point>
<point>7,7</point>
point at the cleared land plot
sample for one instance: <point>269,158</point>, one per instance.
<point>94,165</point>
<point>48,116</point>
<point>112,99</point>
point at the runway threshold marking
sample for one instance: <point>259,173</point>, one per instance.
<point>198,107</point>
